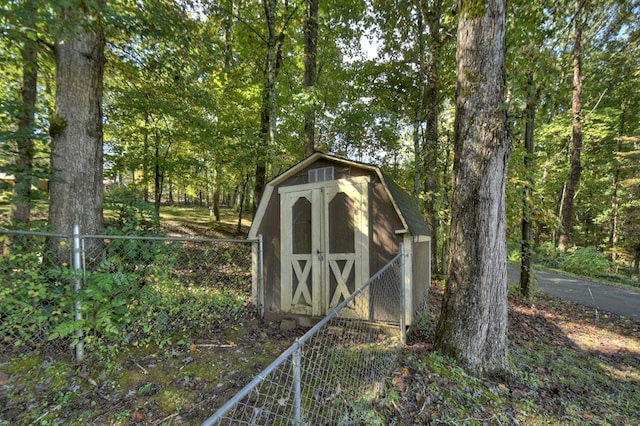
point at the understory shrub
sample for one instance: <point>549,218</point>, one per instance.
<point>547,254</point>
<point>587,261</point>
<point>135,292</point>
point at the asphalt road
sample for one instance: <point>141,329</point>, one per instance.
<point>602,297</point>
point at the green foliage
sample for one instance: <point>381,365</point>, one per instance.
<point>588,261</point>
<point>135,294</point>
<point>547,254</point>
<point>33,301</point>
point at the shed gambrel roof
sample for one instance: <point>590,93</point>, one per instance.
<point>403,203</point>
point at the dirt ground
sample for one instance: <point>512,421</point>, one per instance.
<point>175,385</point>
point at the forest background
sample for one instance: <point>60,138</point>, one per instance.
<point>205,101</point>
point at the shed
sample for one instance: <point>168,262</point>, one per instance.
<point>327,225</point>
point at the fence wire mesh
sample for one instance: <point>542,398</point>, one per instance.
<point>127,290</point>
<point>334,374</point>
<point>30,289</point>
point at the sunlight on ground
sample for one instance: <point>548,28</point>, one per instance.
<point>593,338</point>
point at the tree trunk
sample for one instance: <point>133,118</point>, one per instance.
<point>576,150</point>
<point>430,151</point>
<point>145,157</point>
<point>21,201</point>
<point>418,117</point>
<point>268,116</point>
<point>76,189</point>
<point>614,235</point>
<point>473,323</point>
<point>310,73</point>
<point>243,196</point>
<point>636,262</point>
<point>158,177</point>
<point>527,202</point>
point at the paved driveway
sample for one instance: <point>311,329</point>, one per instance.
<point>602,297</point>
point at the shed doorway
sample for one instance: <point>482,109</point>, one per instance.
<point>325,246</point>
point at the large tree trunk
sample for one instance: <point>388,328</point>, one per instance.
<point>566,214</point>
<point>21,201</point>
<point>310,73</point>
<point>473,322</point>
<point>76,155</point>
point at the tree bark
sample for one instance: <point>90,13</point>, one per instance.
<point>76,190</point>
<point>310,73</point>
<point>21,201</point>
<point>473,322</point>
<point>576,150</point>
<point>430,152</point>
<point>418,117</point>
<point>268,116</point>
<point>527,202</point>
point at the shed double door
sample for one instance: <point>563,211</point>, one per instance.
<point>325,241</point>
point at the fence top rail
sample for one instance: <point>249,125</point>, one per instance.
<point>294,347</point>
<point>33,233</point>
<point>184,239</point>
<point>132,237</point>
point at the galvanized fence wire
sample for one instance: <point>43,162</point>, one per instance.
<point>114,290</point>
<point>30,289</point>
<point>334,374</point>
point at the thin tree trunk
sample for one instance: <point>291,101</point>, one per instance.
<point>473,322</point>
<point>576,150</point>
<point>145,156</point>
<point>527,202</point>
<point>310,73</point>
<point>614,236</point>
<point>268,116</point>
<point>243,196</point>
<point>430,152</point>
<point>21,201</point>
<point>158,175</point>
<point>418,118</point>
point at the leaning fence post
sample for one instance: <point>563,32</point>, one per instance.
<point>403,298</point>
<point>297,396</point>
<point>77,266</point>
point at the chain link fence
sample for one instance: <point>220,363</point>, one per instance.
<point>334,374</point>
<point>96,293</point>
<point>102,292</point>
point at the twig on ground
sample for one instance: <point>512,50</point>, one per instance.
<point>214,345</point>
<point>168,418</point>
<point>144,371</point>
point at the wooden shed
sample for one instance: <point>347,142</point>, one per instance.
<point>328,224</point>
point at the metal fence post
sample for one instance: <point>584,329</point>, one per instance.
<point>77,266</point>
<point>261,274</point>
<point>403,296</point>
<point>297,395</point>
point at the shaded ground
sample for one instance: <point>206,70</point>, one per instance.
<point>181,384</point>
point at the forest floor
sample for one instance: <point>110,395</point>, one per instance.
<point>568,365</point>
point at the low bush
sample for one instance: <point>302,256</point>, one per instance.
<point>587,261</point>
